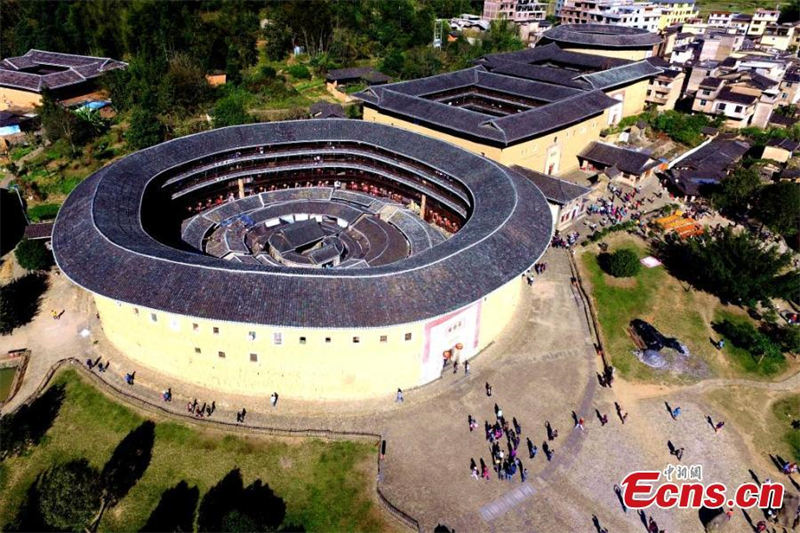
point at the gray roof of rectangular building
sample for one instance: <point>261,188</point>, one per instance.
<point>728,95</point>
<point>368,74</point>
<point>623,74</point>
<point>707,166</point>
<point>569,95</point>
<point>625,159</point>
<point>556,190</point>
<point>77,69</point>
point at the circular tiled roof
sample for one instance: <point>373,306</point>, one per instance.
<point>602,36</point>
<point>100,243</point>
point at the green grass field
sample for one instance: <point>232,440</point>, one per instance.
<point>736,6</point>
<point>657,297</point>
<point>785,411</point>
<point>326,485</point>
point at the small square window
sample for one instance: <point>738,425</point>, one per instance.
<point>153,317</point>
<point>408,336</point>
<point>216,330</point>
<point>254,357</point>
<point>384,338</point>
<point>277,338</point>
<point>221,354</point>
<point>195,326</point>
<point>252,335</point>
<point>302,340</point>
<point>197,350</point>
<point>356,340</point>
<point>327,340</point>
<point>135,310</point>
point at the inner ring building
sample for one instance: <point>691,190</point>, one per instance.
<point>324,259</point>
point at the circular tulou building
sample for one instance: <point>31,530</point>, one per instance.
<point>325,259</point>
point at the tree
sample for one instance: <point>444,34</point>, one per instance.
<point>33,255</point>
<point>184,86</point>
<point>623,263</point>
<point>790,12</point>
<point>230,110</point>
<point>737,191</point>
<point>145,129</point>
<point>503,36</point>
<point>69,495</point>
<point>778,206</point>
<point>737,267</point>
<point>58,122</point>
<point>19,301</point>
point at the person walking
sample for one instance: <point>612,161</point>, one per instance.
<point>488,390</point>
<point>603,419</point>
<point>466,368</point>
<point>517,427</point>
<point>579,424</point>
<point>676,413</point>
<point>274,399</point>
<point>718,426</point>
<point>399,397</point>
<point>532,449</point>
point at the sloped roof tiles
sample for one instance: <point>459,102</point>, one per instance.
<point>73,69</point>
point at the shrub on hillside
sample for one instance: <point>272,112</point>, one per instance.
<point>299,72</point>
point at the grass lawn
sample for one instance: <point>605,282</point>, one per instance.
<point>785,411</point>
<point>326,485</point>
<point>657,297</point>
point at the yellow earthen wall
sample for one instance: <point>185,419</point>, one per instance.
<point>311,370</point>
<point>533,154</point>
<point>14,98</point>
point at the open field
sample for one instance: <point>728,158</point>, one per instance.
<point>327,486</point>
<point>675,308</point>
<point>764,416</point>
<point>736,6</point>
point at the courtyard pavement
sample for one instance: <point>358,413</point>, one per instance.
<point>541,369</point>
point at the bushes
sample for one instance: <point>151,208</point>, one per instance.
<point>597,235</point>
<point>230,110</point>
<point>41,212</point>
<point>299,72</point>
<point>623,263</point>
<point>145,129</point>
<point>33,255</point>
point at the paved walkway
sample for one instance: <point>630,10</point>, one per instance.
<point>542,368</point>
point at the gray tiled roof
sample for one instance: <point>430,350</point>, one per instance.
<point>77,70</point>
<point>728,95</point>
<point>625,159</point>
<point>606,79</point>
<point>323,109</point>
<point>786,144</point>
<point>564,105</point>
<point>556,190</point>
<point>552,54</point>
<point>601,35</point>
<point>100,244</point>
<point>367,74</point>
<point>707,166</point>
